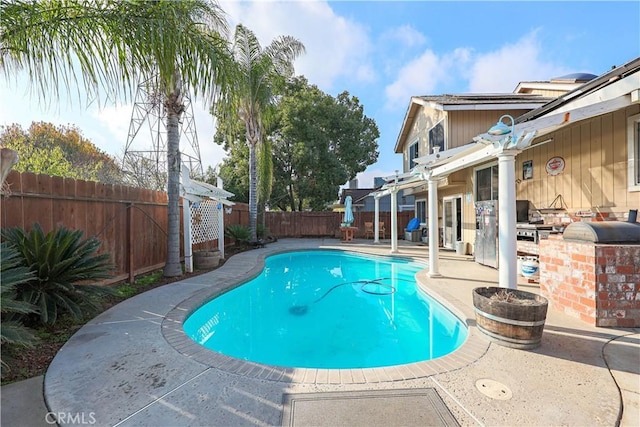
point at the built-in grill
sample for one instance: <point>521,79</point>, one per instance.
<point>525,229</point>
<point>531,232</point>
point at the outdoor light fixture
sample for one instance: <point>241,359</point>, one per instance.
<point>501,129</point>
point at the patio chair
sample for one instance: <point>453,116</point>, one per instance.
<point>382,232</point>
<point>368,230</point>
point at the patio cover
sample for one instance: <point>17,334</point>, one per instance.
<point>609,92</point>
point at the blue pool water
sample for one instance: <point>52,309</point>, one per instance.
<point>328,309</point>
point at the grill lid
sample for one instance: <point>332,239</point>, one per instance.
<point>603,232</point>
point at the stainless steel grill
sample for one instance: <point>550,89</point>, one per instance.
<point>530,232</point>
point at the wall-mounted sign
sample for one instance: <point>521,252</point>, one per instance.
<point>555,166</point>
<point>527,169</point>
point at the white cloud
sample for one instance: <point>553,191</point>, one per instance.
<point>426,75</point>
<point>502,70</point>
<point>366,178</point>
<point>114,123</point>
<point>498,71</point>
<point>416,74</point>
<point>336,47</point>
<point>406,35</point>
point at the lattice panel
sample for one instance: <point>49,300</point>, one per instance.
<point>204,221</point>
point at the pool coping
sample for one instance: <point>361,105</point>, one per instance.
<point>474,347</point>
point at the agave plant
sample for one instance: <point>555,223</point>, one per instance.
<point>62,264</point>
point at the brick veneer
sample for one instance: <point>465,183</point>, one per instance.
<point>599,284</point>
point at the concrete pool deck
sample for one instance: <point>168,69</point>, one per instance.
<point>131,365</point>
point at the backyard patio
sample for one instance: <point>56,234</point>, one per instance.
<point>129,366</point>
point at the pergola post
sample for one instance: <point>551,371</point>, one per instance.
<point>376,220</point>
<point>394,220</point>
<point>507,242</point>
<point>220,184</point>
<point>434,235</point>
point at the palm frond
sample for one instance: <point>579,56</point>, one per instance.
<point>13,275</point>
<point>108,45</point>
<point>14,332</point>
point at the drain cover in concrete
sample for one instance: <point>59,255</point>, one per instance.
<point>494,389</point>
<point>406,407</point>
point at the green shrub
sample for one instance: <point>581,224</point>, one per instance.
<point>239,233</point>
<point>12,275</point>
<point>126,290</point>
<point>149,279</point>
<point>62,263</point>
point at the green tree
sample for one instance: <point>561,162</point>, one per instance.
<point>59,151</point>
<point>230,134</point>
<point>318,143</point>
<point>108,46</point>
<point>323,142</point>
<point>255,82</point>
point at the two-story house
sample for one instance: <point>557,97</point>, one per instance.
<point>574,155</point>
<point>438,124</point>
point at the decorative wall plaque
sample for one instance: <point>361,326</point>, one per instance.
<point>555,166</point>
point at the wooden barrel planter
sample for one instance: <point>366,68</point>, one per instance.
<point>206,259</point>
<point>510,317</point>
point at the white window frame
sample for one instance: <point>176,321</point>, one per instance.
<point>475,180</point>
<point>425,210</point>
<point>444,136</point>
<point>633,152</point>
<point>415,143</point>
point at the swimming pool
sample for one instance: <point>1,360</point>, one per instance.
<point>328,309</point>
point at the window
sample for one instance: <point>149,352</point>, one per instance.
<point>487,183</point>
<point>436,137</point>
<point>633,135</point>
<point>413,154</point>
<point>421,210</point>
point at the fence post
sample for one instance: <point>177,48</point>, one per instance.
<point>130,257</point>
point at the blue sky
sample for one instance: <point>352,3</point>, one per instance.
<point>386,52</point>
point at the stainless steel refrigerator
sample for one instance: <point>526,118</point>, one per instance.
<point>486,246</point>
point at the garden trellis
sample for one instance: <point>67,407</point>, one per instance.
<point>203,210</point>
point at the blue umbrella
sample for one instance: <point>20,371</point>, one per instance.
<point>348,213</point>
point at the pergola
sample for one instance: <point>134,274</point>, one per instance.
<point>600,96</point>
<point>203,214</point>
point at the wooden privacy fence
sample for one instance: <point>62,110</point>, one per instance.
<point>327,224</point>
<point>131,222</point>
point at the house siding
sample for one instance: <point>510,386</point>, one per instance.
<point>464,125</point>
<point>595,175</point>
<point>425,120</point>
<point>460,128</point>
<point>594,180</point>
<point>547,93</point>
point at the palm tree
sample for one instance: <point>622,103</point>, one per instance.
<point>258,75</point>
<point>107,46</point>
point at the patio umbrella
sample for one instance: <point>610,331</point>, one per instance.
<point>348,213</point>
